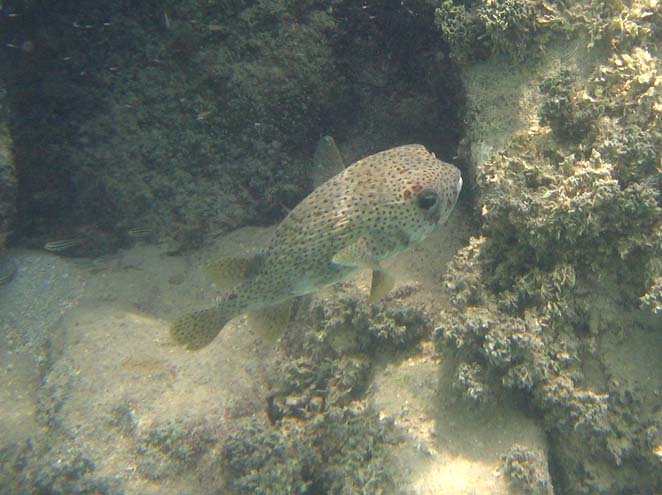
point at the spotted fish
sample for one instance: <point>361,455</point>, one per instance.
<point>370,211</point>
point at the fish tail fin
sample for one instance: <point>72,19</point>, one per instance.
<point>197,329</point>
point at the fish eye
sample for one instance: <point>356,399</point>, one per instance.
<point>427,199</point>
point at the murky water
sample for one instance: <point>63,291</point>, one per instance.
<point>517,350</point>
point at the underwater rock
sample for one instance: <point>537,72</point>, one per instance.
<point>192,120</point>
<point>37,467</point>
<point>343,451</point>
<point>332,346</point>
<point>528,471</point>
<point>44,288</point>
<point>488,28</point>
<point>567,257</point>
<point>352,324</point>
<point>8,184</point>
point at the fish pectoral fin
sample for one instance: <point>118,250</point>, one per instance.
<point>382,283</point>
<point>358,254</point>
<point>270,322</point>
<point>233,270</point>
<point>327,161</point>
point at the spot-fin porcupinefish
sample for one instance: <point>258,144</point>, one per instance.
<point>375,208</point>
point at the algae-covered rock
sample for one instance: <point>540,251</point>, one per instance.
<point>527,471</point>
<point>190,118</point>
<point>342,451</point>
<point>36,467</point>
<point>321,434</point>
<point>332,347</point>
<point>488,27</point>
<point>390,325</point>
<point>567,260</point>
<point>8,185</point>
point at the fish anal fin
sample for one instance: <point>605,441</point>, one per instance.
<point>233,270</point>
<point>196,330</point>
<point>269,323</point>
<point>382,283</point>
<point>328,161</point>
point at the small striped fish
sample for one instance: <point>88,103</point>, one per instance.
<point>63,245</point>
<point>140,232</point>
<point>7,271</point>
<point>104,260</point>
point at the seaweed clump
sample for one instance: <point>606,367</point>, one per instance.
<point>561,111</point>
<point>488,27</point>
<point>519,29</point>
<point>527,471</point>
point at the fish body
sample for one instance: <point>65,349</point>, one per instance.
<point>104,261</point>
<point>140,232</point>
<point>7,270</point>
<point>374,209</point>
<point>63,245</point>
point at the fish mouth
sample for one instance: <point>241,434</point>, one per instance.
<point>443,209</point>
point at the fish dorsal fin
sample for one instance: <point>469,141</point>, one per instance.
<point>327,162</point>
<point>270,322</point>
<point>358,254</point>
<point>233,270</point>
<point>382,283</point>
